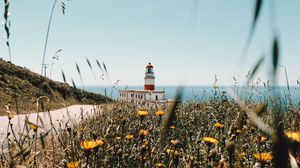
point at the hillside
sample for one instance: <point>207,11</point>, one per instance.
<point>20,88</point>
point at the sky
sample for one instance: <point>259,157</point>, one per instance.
<point>187,41</point>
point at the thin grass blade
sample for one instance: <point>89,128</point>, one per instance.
<point>257,12</point>
<point>275,55</point>
<point>79,72</point>
<point>99,65</point>
<point>64,76</point>
<point>105,69</point>
<point>256,67</point>
<point>91,67</point>
<point>171,115</point>
<point>293,161</point>
<point>73,83</point>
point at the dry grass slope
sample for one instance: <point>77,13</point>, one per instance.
<point>20,88</point>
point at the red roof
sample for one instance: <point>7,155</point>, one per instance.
<point>149,65</point>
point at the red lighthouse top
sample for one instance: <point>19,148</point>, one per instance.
<point>149,65</point>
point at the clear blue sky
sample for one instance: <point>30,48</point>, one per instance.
<point>187,41</point>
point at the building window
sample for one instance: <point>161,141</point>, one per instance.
<point>156,97</point>
<point>132,95</point>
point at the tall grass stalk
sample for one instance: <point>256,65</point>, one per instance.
<point>47,36</point>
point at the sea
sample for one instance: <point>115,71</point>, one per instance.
<point>205,93</point>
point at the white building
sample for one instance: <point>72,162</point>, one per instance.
<point>146,96</point>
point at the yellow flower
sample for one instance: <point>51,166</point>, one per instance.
<point>172,152</point>
<point>172,126</point>
<point>72,164</point>
<point>261,139</point>
<point>238,131</point>
<point>218,125</point>
<point>263,157</point>
<point>89,145</point>
<point>143,132</point>
<point>129,136</point>
<point>146,143</point>
<point>158,165</point>
<point>210,140</point>
<point>293,136</point>
<point>159,113</point>
<point>118,138</point>
<point>99,142</point>
<point>34,127</point>
<point>142,113</point>
<point>175,142</point>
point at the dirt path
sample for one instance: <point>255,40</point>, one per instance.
<point>58,116</point>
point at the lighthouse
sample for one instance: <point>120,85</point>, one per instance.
<point>149,78</point>
<point>147,96</point>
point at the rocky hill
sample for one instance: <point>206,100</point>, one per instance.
<point>20,89</point>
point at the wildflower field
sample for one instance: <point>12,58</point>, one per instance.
<point>226,130</point>
<point>214,133</point>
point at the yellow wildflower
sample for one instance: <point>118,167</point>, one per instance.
<point>158,165</point>
<point>159,113</point>
<point>263,157</point>
<point>118,138</point>
<point>172,152</point>
<point>129,136</point>
<point>72,164</point>
<point>89,145</point>
<point>175,142</point>
<point>99,142</point>
<point>34,127</point>
<point>218,125</point>
<point>143,132</point>
<point>238,131</point>
<point>172,126</point>
<point>293,136</point>
<point>142,113</point>
<point>261,139</point>
<point>210,140</point>
<point>146,143</point>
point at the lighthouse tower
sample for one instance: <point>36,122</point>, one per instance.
<point>149,78</point>
<point>148,96</point>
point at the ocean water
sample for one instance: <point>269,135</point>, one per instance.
<point>204,93</point>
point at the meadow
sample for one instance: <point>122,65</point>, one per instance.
<point>218,132</point>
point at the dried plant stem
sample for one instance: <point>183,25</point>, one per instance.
<point>47,35</point>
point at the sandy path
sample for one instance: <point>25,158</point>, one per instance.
<point>58,116</point>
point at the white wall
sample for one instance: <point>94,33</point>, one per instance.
<point>138,96</point>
